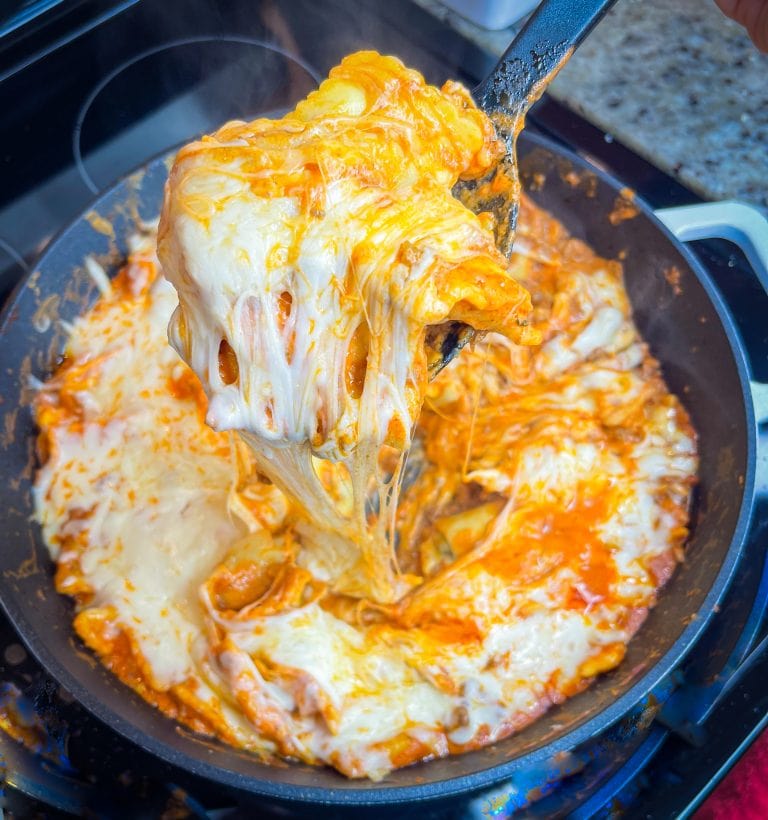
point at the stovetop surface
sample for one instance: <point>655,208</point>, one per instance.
<point>130,79</point>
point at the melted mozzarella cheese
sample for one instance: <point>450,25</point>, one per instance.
<point>310,254</point>
<point>145,559</point>
<point>543,509</point>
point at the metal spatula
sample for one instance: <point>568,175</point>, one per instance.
<point>543,46</point>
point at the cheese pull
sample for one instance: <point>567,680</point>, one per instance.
<point>314,254</point>
<point>323,268</point>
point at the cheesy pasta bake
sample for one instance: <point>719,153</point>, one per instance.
<point>291,532</point>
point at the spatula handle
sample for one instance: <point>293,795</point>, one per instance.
<point>538,52</point>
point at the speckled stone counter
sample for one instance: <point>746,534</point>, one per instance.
<point>675,81</point>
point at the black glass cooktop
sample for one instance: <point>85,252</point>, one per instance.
<point>91,89</point>
<point>146,76</point>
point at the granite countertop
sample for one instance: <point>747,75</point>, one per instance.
<point>677,82</point>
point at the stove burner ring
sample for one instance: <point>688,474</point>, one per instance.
<point>272,48</point>
<point>13,254</point>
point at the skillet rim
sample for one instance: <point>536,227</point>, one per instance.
<point>371,793</point>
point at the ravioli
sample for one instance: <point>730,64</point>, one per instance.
<point>545,503</point>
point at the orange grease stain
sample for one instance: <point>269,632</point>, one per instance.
<point>552,538</point>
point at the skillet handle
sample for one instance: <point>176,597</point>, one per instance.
<point>744,225</point>
<point>747,227</point>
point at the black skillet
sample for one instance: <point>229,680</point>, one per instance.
<point>682,318</point>
<point>692,335</point>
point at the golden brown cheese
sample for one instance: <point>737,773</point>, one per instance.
<point>545,504</point>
